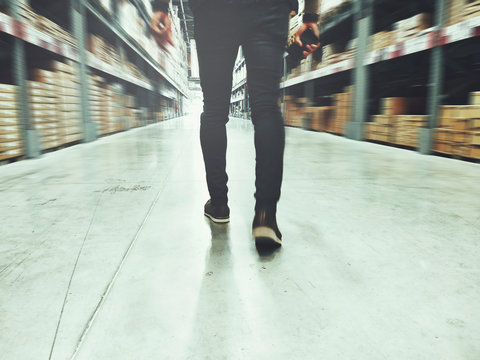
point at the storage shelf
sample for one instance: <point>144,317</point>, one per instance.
<point>33,36</point>
<point>98,64</point>
<point>120,33</point>
<point>341,66</point>
<point>426,41</point>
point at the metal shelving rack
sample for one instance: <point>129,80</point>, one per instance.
<point>161,84</point>
<point>367,19</point>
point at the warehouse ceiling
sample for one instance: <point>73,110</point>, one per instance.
<point>186,17</point>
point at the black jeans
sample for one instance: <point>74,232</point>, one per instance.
<point>261,29</point>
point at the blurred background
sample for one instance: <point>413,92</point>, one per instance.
<point>398,73</point>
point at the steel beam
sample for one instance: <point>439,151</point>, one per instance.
<point>435,85</point>
<point>30,135</point>
<point>361,75</point>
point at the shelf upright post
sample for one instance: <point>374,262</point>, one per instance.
<point>435,84</point>
<point>361,75</point>
<point>79,29</point>
<point>30,135</point>
<point>308,92</point>
<point>151,95</point>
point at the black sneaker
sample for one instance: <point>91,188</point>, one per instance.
<point>265,229</point>
<point>218,214</point>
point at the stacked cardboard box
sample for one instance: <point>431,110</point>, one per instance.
<point>29,16</point>
<point>107,53</point>
<point>159,116</point>
<point>68,101</point>
<point>294,111</point>
<point>454,11</point>
<point>324,118</point>
<point>471,9</point>
<point>381,129</point>
<point>131,113</point>
<point>43,111</point>
<point>394,106</point>
<point>382,39</point>
<point>460,10</point>
<point>459,129</point>
<point>393,125</point>
<point>407,129</point>
<point>11,144</point>
<point>343,104</point>
<point>104,51</point>
<point>320,118</point>
<point>408,28</point>
<point>102,105</point>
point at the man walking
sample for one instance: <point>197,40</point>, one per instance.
<point>261,28</point>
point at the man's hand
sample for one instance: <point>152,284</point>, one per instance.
<point>310,48</point>
<point>162,29</point>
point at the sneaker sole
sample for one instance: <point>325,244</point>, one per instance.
<point>217,220</point>
<point>265,237</point>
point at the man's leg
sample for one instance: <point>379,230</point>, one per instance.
<point>217,49</point>
<point>264,46</point>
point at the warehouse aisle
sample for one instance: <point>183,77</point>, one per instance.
<point>105,250</point>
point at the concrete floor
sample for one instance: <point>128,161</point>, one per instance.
<point>105,253</point>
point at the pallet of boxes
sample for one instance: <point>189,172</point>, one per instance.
<point>319,117</point>
<point>459,131</point>
<point>295,111</point>
<point>55,105</point>
<point>42,98</point>
<point>460,10</point>
<point>396,125</point>
<point>11,140</point>
<point>102,105</point>
<point>343,104</point>
<point>69,107</point>
<point>44,25</point>
<point>131,113</point>
<point>408,28</point>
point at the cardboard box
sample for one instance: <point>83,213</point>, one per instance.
<point>43,106</point>
<point>475,98</point>
<point>9,121</point>
<point>64,67</point>
<point>461,124</point>
<point>459,136</point>
<point>475,152</point>
<point>382,119</point>
<point>9,113</point>
<point>39,92</point>
<point>8,104</point>
<point>9,141</point>
<point>474,124</point>
<point>447,123</point>
<point>443,135</point>
<point>41,113</point>
<point>42,100</point>
<point>45,76</point>
<point>7,88</point>
<point>8,96</point>
<point>449,111</point>
<point>393,106</point>
<point>475,138</point>
<point>10,129</point>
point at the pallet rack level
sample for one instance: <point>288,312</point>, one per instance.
<point>426,41</point>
